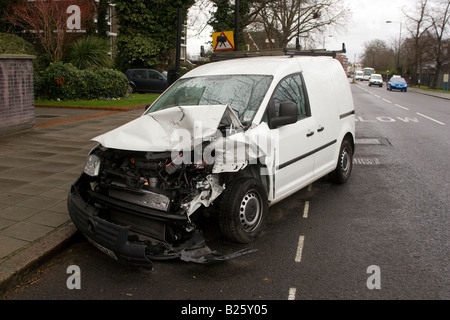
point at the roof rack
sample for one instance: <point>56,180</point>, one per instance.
<point>276,52</point>
<point>244,54</point>
<point>320,52</point>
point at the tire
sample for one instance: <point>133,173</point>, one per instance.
<point>243,210</point>
<point>131,89</point>
<point>344,165</point>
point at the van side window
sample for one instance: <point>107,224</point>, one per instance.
<point>291,89</point>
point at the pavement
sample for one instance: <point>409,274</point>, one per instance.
<point>37,168</point>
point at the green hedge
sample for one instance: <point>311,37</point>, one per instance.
<point>65,82</point>
<point>13,44</point>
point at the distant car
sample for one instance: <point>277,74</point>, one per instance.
<point>397,83</point>
<point>146,80</point>
<point>359,75</point>
<point>376,80</point>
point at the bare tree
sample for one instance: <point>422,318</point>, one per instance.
<point>49,20</point>
<point>285,20</point>
<point>378,55</point>
<point>439,17</point>
<point>418,26</point>
<point>198,16</point>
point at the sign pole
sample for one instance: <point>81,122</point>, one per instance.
<point>236,25</point>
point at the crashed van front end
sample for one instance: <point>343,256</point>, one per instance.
<point>138,206</point>
<point>148,183</point>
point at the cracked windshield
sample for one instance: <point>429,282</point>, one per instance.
<point>243,93</point>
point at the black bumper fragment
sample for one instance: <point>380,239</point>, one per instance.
<point>113,239</point>
<point>108,237</point>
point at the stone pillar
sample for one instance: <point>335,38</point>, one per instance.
<point>16,93</point>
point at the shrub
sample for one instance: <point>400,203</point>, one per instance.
<point>12,44</point>
<point>65,82</point>
<point>91,52</point>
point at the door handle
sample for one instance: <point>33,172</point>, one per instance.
<point>309,133</point>
<point>320,129</point>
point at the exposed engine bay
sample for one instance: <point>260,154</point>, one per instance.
<point>154,181</point>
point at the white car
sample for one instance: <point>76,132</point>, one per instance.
<point>376,80</point>
<point>228,139</point>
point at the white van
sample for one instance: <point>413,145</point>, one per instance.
<point>359,75</point>
<point>230,139</point>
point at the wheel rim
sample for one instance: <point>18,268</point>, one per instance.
<point>250,211</point>
<point>345,161</point>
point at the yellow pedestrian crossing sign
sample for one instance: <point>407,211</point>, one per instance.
<point>223,41</point>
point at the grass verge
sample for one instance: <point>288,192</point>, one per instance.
<point>431,90</point>
<point>131,100</point>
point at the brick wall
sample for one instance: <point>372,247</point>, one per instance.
<point>16,93</point>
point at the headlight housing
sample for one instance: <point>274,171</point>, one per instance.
<point>92,166</point>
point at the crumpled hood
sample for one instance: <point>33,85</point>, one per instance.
<point>169,129</point>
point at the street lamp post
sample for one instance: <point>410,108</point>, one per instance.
<point>399,43</point>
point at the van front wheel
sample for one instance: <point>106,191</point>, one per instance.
<point>344,165</point>
<point>243,210</point>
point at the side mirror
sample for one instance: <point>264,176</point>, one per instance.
<point>288,115</point>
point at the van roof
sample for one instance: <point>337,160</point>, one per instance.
<point>278,66</point>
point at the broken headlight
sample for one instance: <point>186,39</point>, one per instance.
<point>92,166</point>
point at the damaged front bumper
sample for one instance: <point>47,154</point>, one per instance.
<point>121,241</point>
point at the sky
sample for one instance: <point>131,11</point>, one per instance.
<point>368,23</point>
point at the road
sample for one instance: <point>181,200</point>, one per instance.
<point>384,235</point>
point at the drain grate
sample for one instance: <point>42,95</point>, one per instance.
<point>368,141</point>
<point>367,161</point>
<point>47,116</point>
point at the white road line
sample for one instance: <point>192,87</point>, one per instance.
<point>292,292</point>
<point>298,256</point>
<point>376,95</point>
<point>397,105</point>
<point>386,100</point>
<point>441,123</point>
<point>306,209</point>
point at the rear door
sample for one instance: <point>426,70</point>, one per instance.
<point>139,77</point>
<point>324,84</point>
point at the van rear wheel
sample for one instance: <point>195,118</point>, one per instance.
<point>243,210</point>
<point>344,165</point>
